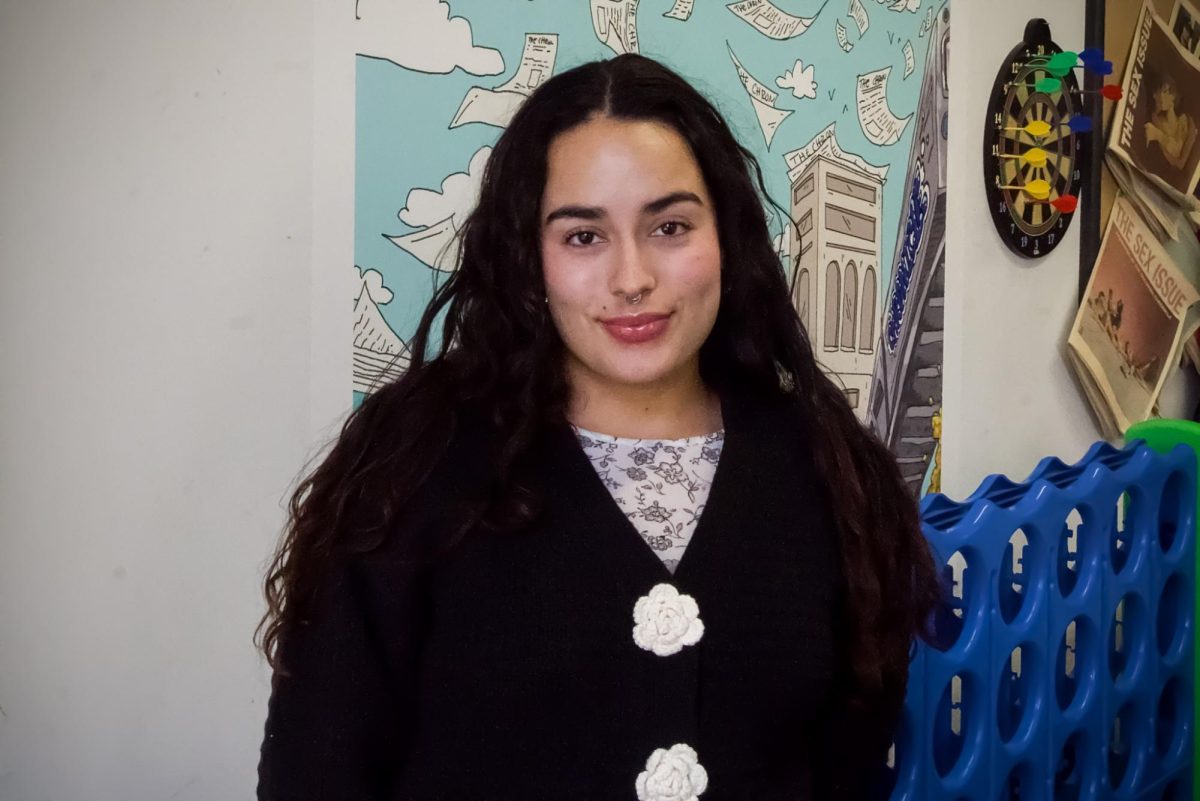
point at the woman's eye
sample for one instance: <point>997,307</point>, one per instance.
<point>585,238</point>
<point>673,228</point>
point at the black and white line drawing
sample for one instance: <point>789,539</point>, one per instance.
<point>421,35</point>
<point>836,248</point>
<point>439,215</point>
<point>800,79</point>
<point>879,124</point>
<point>681,10</point>
<point>380,355</point>
<point>769,116</point>
<point>615,24</point>
<point>843,41</point>
<point>770,20</point>
<point>497,106</point>
<point>926,24</point>
<point>859,14</point>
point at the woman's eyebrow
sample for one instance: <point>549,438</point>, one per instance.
<point>579,212</point>
<point>655,206</point>
<point>596,213</point>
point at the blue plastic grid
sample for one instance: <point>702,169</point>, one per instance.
<point>1063,670</point>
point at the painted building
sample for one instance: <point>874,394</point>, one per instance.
<point>906,394</point>
<point>836,201</point>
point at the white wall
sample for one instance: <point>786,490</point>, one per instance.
<point>155,208</point>
<point>1009,396</point>
<point>158,391</point>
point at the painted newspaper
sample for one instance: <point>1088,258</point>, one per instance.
<point>1156,126</point>
<point>1129,330</point>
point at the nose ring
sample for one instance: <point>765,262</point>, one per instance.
<point>636,299</point>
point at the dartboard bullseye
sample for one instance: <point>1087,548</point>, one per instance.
<point>1031,153</point>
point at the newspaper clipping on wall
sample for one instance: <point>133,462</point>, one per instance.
<point>1138,309</point>
<point>1156,126</point>
<point>1185,26</point>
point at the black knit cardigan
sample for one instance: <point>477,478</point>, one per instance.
<point>509,669</point>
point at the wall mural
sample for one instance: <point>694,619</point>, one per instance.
<point>843,103</point>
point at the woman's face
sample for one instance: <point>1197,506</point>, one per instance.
<point>625,212</point>
<point>1164,98</point>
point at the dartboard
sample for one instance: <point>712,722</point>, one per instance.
<point>1031,226</point>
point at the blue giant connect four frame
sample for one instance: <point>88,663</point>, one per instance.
<point>1063,667</point>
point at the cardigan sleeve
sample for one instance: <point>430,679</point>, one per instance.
<point>850,744</point>
<point>336,721</point>
<point>339,725</point>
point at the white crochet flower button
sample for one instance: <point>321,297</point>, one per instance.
<point>664,621</point>
<point>672,775</point>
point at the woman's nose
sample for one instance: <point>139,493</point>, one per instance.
<point>633,272</point>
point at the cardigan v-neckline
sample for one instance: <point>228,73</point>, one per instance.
<point>614,518</point>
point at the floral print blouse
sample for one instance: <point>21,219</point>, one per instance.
<point>660,484</point>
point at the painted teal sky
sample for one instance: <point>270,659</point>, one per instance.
<point>403,140</point>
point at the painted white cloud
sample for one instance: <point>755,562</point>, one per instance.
<point>782,241</point>
<point>372,280</point>
<point>800,80</point>
<point>459,194</point>
<point>421,35</point>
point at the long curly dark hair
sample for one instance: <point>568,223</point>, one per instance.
<point>500,352</point>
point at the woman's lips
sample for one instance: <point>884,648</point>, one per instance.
<point>634,328</point>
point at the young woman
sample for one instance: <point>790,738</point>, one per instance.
<point>1174,132</point>
<point>618,537</point>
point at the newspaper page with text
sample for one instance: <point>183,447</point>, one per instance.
<point>1185,26</point>
<point>1156,125</point>
<point>1128,333</point>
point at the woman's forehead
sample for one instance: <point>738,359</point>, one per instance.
<point>607,162</point>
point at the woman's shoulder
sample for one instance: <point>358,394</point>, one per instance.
<point>428,490</point>
<point>462,467</point>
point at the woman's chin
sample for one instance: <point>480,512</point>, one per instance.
<point>635,375</point>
